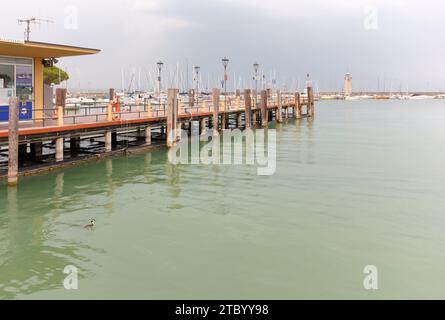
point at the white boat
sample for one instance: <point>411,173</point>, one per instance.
<point>419,97</point>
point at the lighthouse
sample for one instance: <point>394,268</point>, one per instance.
<point>347,87</point>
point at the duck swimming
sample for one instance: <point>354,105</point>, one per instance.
<point>91,224</point>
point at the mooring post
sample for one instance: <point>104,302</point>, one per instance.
<point>310,101</point>
<point>13,141</point>
<point>108,133</point>
<point>191,98</point>
<point>247,108</point>
<point>297,108</point>
<point>148,135</point>
<point>215,95</point>
<point>224,120</point>
<point>149,110</point>
<point>264,113</point>
<point>110,105</point>
<point>60,104</point>
<point>172,117</point>
<point>280,107</point>
<point>286,111</point>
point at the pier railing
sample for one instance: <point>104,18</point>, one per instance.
<point>145,109</point>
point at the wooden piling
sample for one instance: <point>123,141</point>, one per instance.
<point>148,135</point>
<point>37,151</point>
<point>202,126</point>
<point>60,144</point>
<point>60,105</point>
<point>108,141</point>
<point>279,115</point>
<point>191,98</point>
<point>216,94</point>
<point>13,141</point>
<point>297,108</point>
<point>224,121</point>
<point>110,105</point>
<point>310,102</point>
<point>239,120</point>
<point>74,144</point>
<point>264,113</point>
<point>172,117</point>
<point>237,99</point>
<point>248,108</point>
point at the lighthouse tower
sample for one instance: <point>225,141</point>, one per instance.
<point>347,87</point>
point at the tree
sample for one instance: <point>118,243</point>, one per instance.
<point>54,75</point>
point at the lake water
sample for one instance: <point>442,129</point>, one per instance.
<point>361,184</point>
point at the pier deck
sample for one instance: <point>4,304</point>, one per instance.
<point>62,133</point>
<point>135,116</point>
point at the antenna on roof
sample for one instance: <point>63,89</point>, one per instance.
<point>30,21</point>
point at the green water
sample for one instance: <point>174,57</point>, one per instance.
<point>361,184</point>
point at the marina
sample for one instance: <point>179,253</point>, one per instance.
<point>55,128</point>
<point>221,159</point>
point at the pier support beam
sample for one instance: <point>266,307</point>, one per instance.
<point>279,115</point>
<point>148,135</point>
<point>23,152</point>
<point>59,149</point>
<point>239,120</point>
<point>202,126</point>
<point>248,108</point>
<point>108,141</point>
<point>172,117</point>
<point>114,139</point>
<point>13,142</point>
<point>264,113</point>
<point>216,94</point>
<point>297,108</point>
<point>37,151</point>
<point>74,144</point>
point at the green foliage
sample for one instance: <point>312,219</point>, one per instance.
<point>54,75</point>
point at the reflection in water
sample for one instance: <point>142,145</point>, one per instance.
<point>174,228</point>
<point>33,252</point>
<point>109,185</point>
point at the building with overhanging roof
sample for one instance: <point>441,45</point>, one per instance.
<point>21,74</point>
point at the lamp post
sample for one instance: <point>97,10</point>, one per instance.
<point>160,64</point>
<point>197,69</point>
<point>225,62</point>
<point>255,68</point>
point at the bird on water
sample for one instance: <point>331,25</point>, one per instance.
<point>90,225</point>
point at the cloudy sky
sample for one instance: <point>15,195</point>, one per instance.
<point>388,44</point>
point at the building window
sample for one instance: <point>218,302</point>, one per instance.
<point>7,83</point>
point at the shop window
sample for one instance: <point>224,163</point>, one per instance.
<point>7,83</point>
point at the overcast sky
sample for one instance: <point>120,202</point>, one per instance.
<point>399,42</point>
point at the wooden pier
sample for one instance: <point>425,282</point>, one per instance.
<point>101,130</point>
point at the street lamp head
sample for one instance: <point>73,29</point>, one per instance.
<point>256,66</point>
<point>160,65</point>
<point>225,61</point>
<point>197,68</point>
